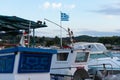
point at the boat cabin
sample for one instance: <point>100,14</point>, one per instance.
<point>21,63</point>
<point>69,64</point>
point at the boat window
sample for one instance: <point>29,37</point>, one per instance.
<point>101,55</point>
<point>93,56</point>
<point>34,62</point>
<point>101,47</point>
<point>7,63</point>
<point>62,56</point>
<point>81,57</point>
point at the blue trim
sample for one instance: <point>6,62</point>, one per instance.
<point>7,63</point>
<point>34,62</point>
<point>22,49</point>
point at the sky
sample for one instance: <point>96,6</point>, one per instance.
<point>86,17</point>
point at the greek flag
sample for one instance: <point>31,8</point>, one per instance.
<point>64,17</point>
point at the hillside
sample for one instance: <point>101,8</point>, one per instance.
<point>47,41</point>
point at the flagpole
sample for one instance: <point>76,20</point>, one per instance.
<point>61,34</point>
<point>63,17</point>
<point>60,31</point>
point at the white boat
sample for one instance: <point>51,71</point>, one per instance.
<point>100,57</point>
<point>106,58</point>
<point>22,63</point>
<point>66,67</point>
<point>70,64</point>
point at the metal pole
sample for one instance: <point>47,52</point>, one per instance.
<point>56,24</point>
<point>33,37</point>
<point>60,34</point>
<point>29,34</point>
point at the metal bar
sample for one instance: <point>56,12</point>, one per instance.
<point>56,24</point>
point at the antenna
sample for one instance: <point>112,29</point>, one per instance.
<point>70,33</point>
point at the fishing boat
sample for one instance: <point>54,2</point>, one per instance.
<point>22,63</point>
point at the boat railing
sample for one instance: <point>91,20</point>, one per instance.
<point>104,67</point>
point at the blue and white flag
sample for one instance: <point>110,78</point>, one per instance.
<point>64,17</point>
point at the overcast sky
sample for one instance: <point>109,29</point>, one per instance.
<point>86,17</point>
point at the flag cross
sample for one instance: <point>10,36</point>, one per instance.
<point>64,17</point>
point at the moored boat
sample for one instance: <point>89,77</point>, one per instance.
<point>22,63</point>
<point>99,62</point>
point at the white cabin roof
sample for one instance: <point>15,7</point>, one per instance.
<point>89,46</point>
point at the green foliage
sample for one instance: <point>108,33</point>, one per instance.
<point>110,40</point>
<point>47,41</point>
<point>85,38</point>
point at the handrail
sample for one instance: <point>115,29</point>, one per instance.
<point>104,64</point>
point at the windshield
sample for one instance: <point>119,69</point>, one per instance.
<point>101,55</point>
<point>101,47</point>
